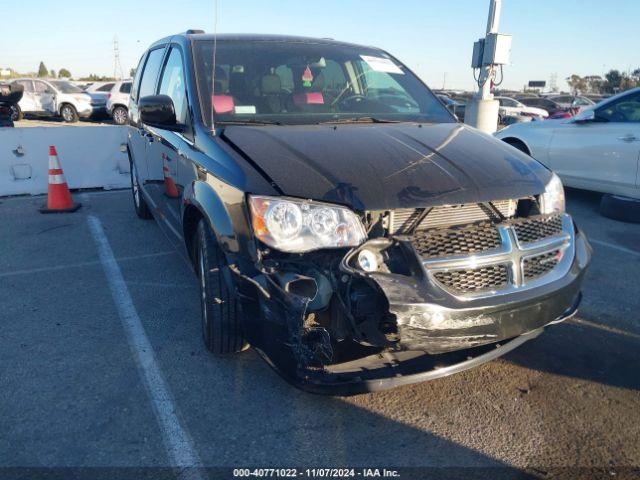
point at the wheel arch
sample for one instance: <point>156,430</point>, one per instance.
<point>517,143</point>
<point>66,102</point>
<point>201,201</point>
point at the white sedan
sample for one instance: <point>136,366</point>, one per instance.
<point>598,149</point>
<point>511,106</point>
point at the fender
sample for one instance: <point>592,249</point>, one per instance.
<point>223,207</point>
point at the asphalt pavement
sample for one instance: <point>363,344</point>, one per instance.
<point>102,366</point>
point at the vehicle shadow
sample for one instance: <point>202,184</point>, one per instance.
<point>586,351</point>
<point>285,427</point>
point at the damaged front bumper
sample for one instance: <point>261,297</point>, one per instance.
<point>385,329</point>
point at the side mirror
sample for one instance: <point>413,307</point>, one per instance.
<point>584,116</point>
<point>158,111</point>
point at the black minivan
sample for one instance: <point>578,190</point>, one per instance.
<point>340,220</point>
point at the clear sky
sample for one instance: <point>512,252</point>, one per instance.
<point>434,38</point>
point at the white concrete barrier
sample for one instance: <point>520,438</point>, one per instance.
<point>91,157</point>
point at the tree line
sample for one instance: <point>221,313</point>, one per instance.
<point>614,81</point>
<point>64,73</point>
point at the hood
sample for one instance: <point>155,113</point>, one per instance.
<point>388,166</point>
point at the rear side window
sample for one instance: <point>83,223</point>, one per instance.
<point>28,86</point>
<point>125,87</point>
<point>150,73</point>
<point>173,84</point>
<point>136,80</point>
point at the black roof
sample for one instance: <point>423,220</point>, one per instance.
<point>256,37</point>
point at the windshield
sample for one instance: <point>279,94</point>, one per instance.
<point>307,83</point>
<point>66,87</point>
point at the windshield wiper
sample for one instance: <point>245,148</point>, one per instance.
<point>365,119</point>
<point>248,121</point>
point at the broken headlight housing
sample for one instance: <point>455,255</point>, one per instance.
<point>552,200</point>
<point>297,226</point>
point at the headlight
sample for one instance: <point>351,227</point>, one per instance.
<point>552,200</point>
<point>293,225</point>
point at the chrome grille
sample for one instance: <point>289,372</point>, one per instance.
<point>459,241</point>
<point>474,279</point>
<point>536,228</point>
<point>489,259</point>
<point>447,215</point>
<point>539,265</point>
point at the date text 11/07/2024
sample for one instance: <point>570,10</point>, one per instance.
<point>316,472</point>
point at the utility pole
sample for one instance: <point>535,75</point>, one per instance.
<point>488,53</point>
<point>117,67</point>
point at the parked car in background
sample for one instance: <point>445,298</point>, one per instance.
<point>597,149</point>
<point>571,101</point>
<point>339,219</point>
<point>512,107</point>
<point>99,89</point>
<point>542,103</point>
<point>118,102</point>
<point>57,98</point>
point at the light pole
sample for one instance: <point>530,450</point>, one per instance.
<point>488,53</point>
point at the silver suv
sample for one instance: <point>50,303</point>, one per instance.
<point>56,98</point>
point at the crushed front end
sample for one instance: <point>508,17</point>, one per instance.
<point>431,292</point>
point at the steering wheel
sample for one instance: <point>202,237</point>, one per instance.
<point>357,98</point>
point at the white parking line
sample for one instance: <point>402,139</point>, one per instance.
<point>615,247</point>
<point>29,271</point>
<point>177,440</point>
<point>606,328</point>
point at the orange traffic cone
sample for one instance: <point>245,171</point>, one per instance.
<point>170,188</point>
<point>59,197</point>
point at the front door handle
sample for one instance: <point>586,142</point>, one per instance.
<point>628,138</point>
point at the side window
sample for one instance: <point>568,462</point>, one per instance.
<point>40,87</point>
<point>106,87</point>
<point>173,84</point>
<point>28,86</point>
<point>125,87</point>
<point>624,110</point>
<point>150,73</point>
<point>136,79</point>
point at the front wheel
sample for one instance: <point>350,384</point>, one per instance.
<point>139,203</point>
<point>68,113</point>
<point>221,321</point>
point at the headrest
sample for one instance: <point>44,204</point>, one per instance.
<point>223,103</point>
<point>271,84</point>
<point>308,98</point>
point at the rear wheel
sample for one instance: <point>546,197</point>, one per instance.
<point>139,203</point>
<point>69,113</point>
<point>221,322</point>
<point>16,113</point>
<point>120,115</point>
<point>620,208</point>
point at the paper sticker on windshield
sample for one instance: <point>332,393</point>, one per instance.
<point>245,110</point>
<point>380,64</point>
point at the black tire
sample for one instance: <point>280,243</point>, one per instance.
<point>139,203</point>
<point>16,113</point>
<point>120,115</point>
<point>620,208</point>
<point>69,113</point>
<point>221,321</point>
